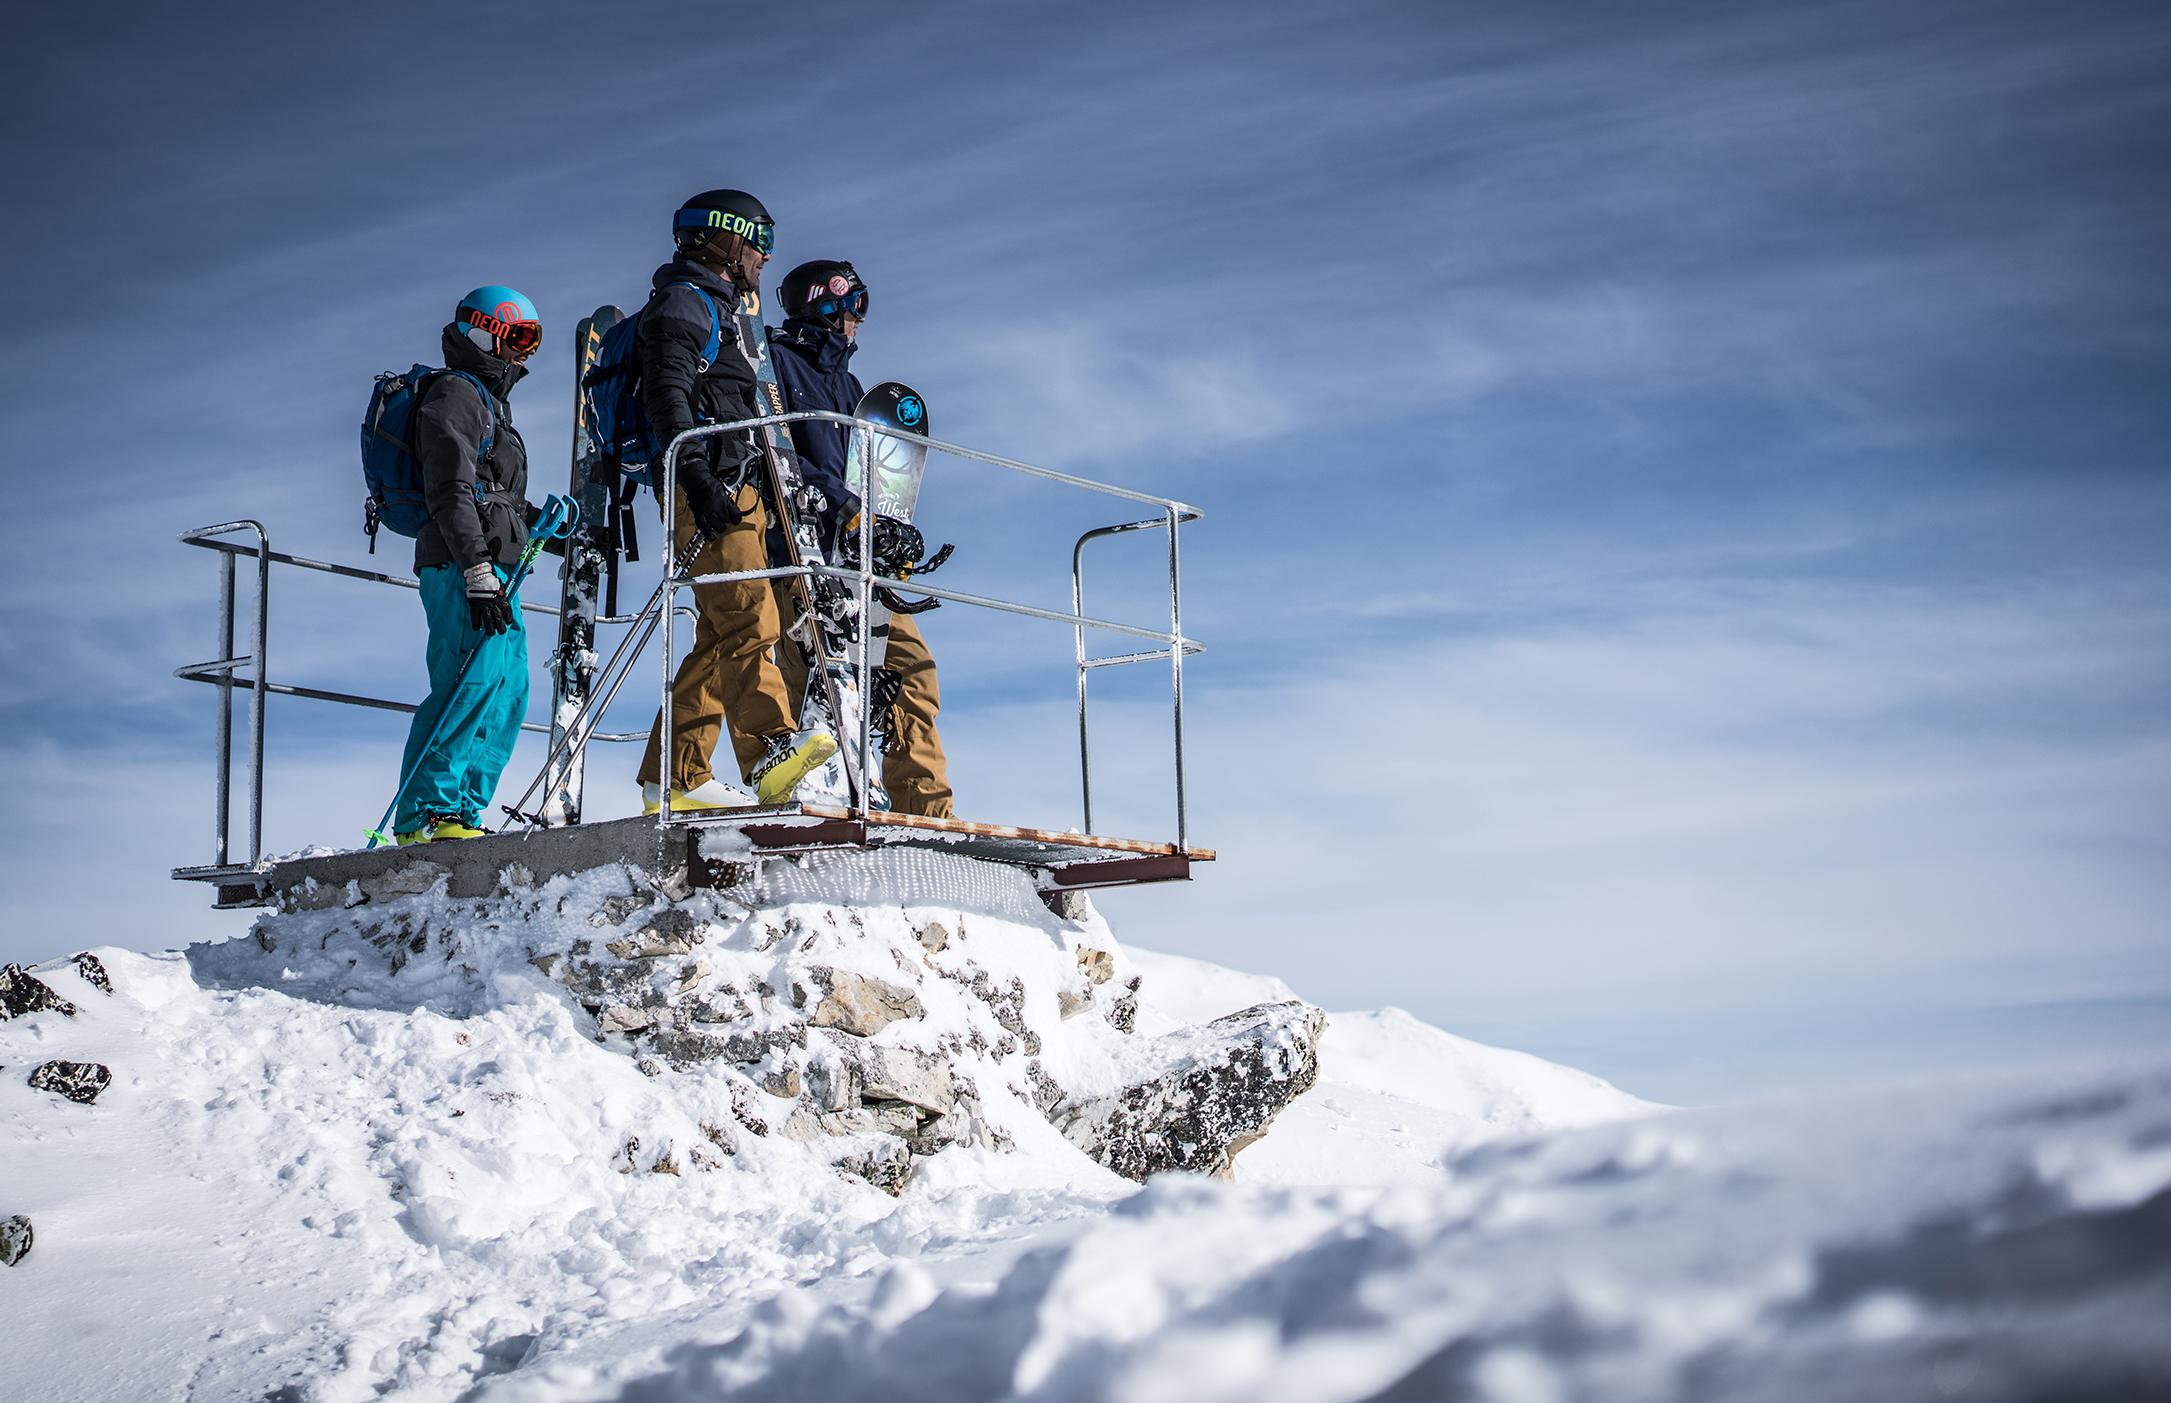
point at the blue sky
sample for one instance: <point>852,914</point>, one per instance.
<point>1686,488</point>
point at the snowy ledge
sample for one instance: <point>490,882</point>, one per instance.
<point>888,1005</point>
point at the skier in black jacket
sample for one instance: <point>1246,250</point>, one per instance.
<point>464,558</point>
<point>824,303</point>
<point>723,238</point>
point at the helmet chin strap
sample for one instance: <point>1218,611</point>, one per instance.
<point>727,256</point>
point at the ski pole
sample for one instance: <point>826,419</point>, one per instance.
<point>590,716</point>
<point>559,517</point>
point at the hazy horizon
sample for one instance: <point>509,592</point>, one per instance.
<point>1683,567</point>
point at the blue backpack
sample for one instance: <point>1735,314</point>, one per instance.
<point>613,399</point>
<point>390,469</point>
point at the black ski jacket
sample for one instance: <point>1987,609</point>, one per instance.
<point>449,426</point>
<point>813,369</point>
<point>677,390</point>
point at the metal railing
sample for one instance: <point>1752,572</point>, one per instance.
<point>1175,646</point>
<point>1174,653</point>
<point>226,670</point>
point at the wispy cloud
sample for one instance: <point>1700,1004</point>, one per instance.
<point>1703,463</point>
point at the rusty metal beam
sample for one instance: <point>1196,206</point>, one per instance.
<point>1122,871</point>
<point>832,833</point>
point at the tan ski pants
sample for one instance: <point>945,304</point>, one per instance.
<point>731,668</point>
<point>914,770</point>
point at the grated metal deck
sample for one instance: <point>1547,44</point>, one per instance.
<point>1068,861</point>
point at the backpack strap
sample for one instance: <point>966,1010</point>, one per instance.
<point>489,409</point>
<point>714,347</point>
<point>489,433</point>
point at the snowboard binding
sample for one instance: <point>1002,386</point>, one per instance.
<point>897,547</point>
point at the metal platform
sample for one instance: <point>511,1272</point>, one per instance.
<point>1067,861</point>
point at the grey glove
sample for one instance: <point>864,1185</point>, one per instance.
<point>488,610</point>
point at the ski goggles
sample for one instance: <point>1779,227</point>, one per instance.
<point>521,338</point>
<point>852,304</point>
<point>761,233</point>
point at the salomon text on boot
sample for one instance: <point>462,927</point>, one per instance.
<point>788,760</point>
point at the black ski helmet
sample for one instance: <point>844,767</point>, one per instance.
<point>823,291</point>
<point>714,214</point>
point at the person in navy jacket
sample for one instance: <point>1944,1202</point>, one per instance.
<point>824,304</point>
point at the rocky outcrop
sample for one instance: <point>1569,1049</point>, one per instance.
<point>93,972</point>
<point>825,1003</point>
<point>1214,1090</point>
<point>78,1081</point>
<point>15,1239</point>
<point>23,993</point>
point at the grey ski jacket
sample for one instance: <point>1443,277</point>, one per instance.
<point>449,427</point>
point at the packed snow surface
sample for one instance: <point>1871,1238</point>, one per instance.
<point>318,1192</point>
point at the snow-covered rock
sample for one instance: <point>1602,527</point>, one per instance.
<point>876,1030</point>
<point>15,1239</point>
<point>1207,1092</point>
<point>23,993</point>
<point>78,1081</point>
<point>94,973</point>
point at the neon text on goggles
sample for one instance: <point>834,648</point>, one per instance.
<point>523,338</point>
<point>761,233</point>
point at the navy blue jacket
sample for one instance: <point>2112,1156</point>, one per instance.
<point>813,368</point>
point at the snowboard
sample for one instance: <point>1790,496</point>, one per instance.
<point>898,463</point>
<point>587,552</point>
<point>829,613</point>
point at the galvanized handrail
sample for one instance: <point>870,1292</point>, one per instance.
<point>1176,652</point>
<point>377,577</point>
<point>1174,513</point>
<point>224,670</point>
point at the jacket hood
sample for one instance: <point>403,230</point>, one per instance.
<point>826,348</point>
<point>684,270</point>
<point>462,354</point>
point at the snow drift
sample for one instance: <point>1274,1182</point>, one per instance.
<point>419,1148</point>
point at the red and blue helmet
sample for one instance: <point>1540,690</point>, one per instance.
<point>500,321</point>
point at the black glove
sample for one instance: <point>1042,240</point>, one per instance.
<point>488,610</point>
<point>714,509</point>
<point>845,515</point>
<point>897,546</point>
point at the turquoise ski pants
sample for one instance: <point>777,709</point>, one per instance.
<point>482,716</point>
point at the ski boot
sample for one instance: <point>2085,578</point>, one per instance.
<point>789,759</point>
<point>436,826</point>
<point>707,795</point>
<point>826,784</point>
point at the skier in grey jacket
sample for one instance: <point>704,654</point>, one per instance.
<point>474,482</point>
